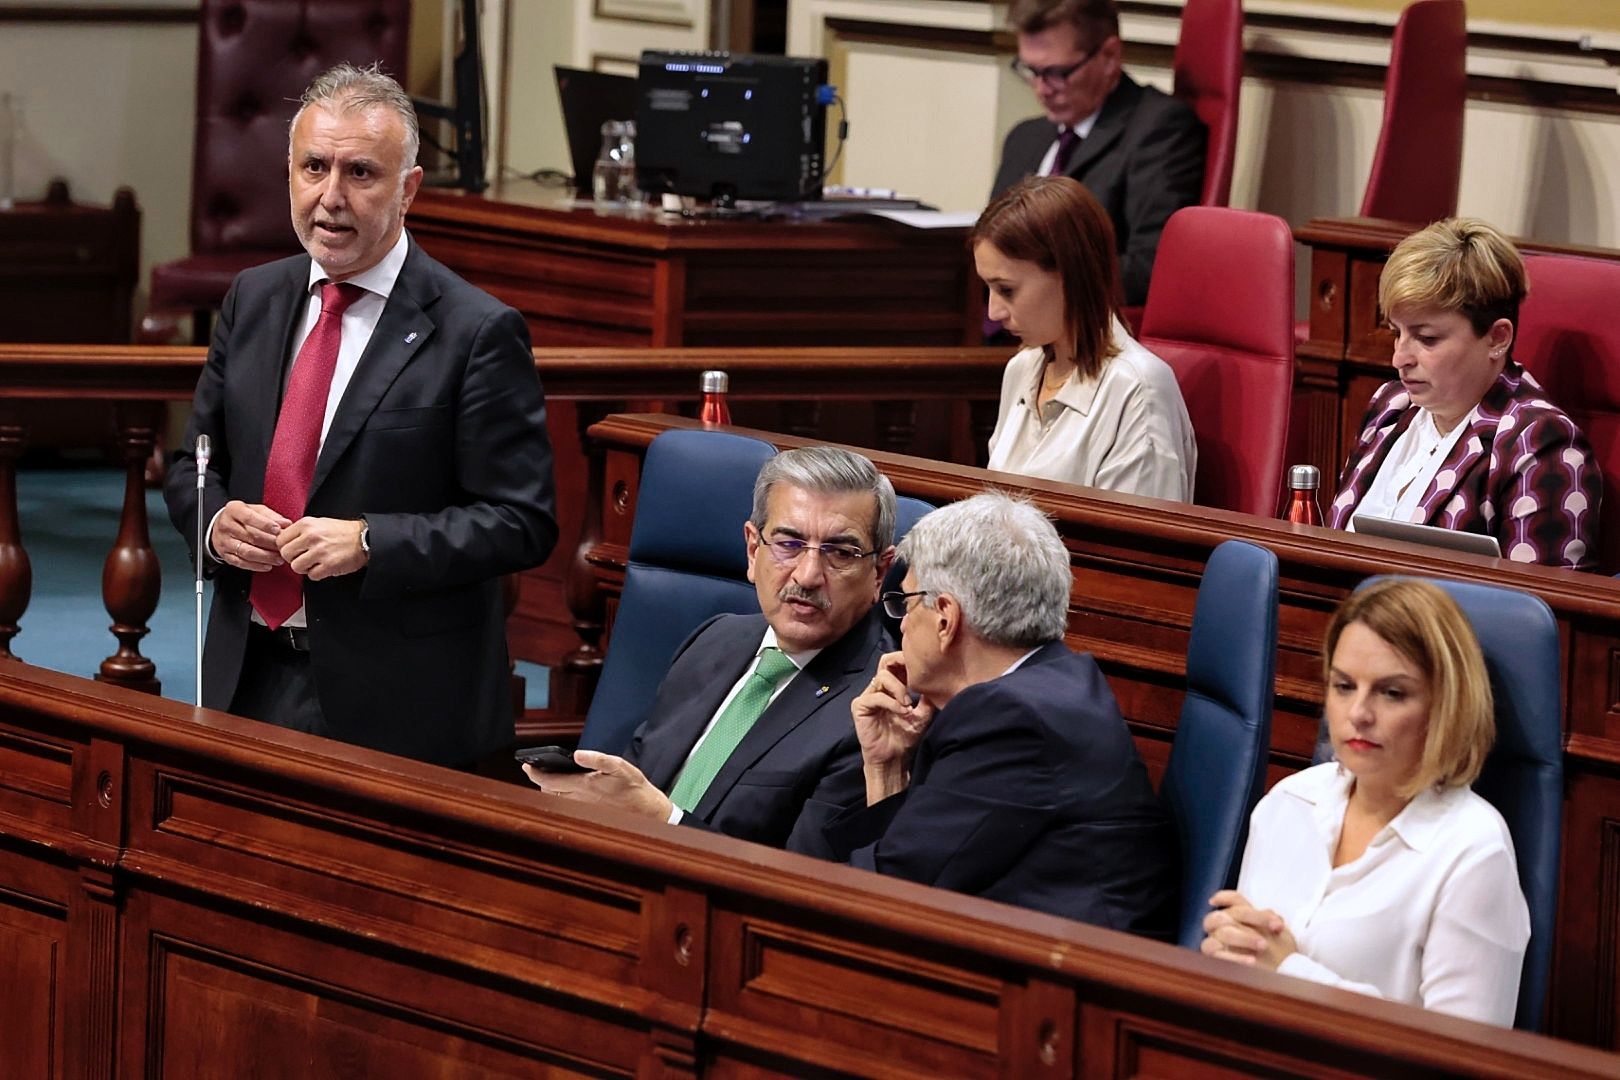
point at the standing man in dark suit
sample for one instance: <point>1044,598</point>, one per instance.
<point>752,718</point>
<point>1138,150</point>
<point>379,460</point>
<point>996,761</point>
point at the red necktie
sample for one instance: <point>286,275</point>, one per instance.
<point>1067,140</point>
<point>277,593</point>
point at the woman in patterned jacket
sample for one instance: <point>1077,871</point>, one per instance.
<point>1464,438</point>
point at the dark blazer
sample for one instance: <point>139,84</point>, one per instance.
<point>1143,160</point>
<point>1522,472</point>
<point>803,747</point>
<point>440,444</point>
<point>1025,789</point>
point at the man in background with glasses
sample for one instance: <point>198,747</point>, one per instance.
<point>1138,150</point>
<point>752,718</point>
<point>996,760</point>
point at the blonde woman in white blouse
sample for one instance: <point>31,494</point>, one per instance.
<point>1383,872</point>
<point>1083,402</point>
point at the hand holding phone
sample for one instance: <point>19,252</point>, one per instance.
<point>552,759</point>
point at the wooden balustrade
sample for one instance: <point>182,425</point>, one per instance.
<point>1137,564</point>
<point>933,400</point>
<point>185,893</point>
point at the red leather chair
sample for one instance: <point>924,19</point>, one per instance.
<point>1418,163</point>
<point>1220,311</point>
<point>254,59</point>
<point>1208,74</point>
<point>1569,341</point>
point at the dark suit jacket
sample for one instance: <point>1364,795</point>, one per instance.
<point>1143,160</point>
<point>440,444</point>
<point>1025,789</point>
<point>802,747</point>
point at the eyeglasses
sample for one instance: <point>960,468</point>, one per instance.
<point>840,557</point>
<point>1055,75</point>
<point>894,603</point>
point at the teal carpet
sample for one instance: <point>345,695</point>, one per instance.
<point>69,520</point>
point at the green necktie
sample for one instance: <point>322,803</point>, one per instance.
<point>735,722</point>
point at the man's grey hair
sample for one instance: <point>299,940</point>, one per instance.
<point>346,88</point>
<point>827,470</point>
<point>1002,560</point>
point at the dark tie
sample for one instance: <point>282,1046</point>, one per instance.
<point>277,593</point>
<point>1067,140</point>
<point>737,720</point>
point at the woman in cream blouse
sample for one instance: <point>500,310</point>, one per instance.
<point>1083,402</point>
<point>1383,872</point>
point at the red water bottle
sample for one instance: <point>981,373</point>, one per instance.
<point>715,411</point>
<point>1303,509</point>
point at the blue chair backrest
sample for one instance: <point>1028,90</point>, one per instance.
<point>1524,775</point>
<point>907,512</point>
<point>688,563</point>
<point>1217,766</point>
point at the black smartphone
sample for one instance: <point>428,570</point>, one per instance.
<point>550,759</point>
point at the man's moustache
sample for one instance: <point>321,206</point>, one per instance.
<point>791,591</point>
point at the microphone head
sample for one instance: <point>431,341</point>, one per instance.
<point>204,449</point>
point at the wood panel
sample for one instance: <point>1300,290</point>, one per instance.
<point>269,903</point>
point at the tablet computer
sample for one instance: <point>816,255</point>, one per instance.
<point>1473,543</point>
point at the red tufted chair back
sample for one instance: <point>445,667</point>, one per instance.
<point>1220,311</point>
<point>1209,72</point>
<point>255,57</point>
<point>1418,163</point>
<point>1569,341</point>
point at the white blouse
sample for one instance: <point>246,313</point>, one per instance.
<point>1430,914</point>
<point>1408,469</point>
<point>1126,430</point>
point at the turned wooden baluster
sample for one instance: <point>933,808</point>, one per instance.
<point>896,423</point>
<point>573,682</point>
<point>16,575</point>
<point>132,579</point>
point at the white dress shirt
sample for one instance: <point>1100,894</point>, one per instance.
<point>801,660</point>
<point>1410,466</point>
<point>359,321</point>
<point>1126,430</point>
<point>1430,914</point>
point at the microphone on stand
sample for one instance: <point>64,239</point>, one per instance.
<point>205,450</point>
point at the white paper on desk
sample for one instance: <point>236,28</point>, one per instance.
<point>930,219</point>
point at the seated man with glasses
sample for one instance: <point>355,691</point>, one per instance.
<point>752,718</point>
<point>1139,151</point>
<point>996,760</point>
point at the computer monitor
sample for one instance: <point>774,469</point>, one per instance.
<point>725,126</point>
<point>589,99</point>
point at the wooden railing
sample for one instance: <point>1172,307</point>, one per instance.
<point>184,893</point>
<point>934,401</point>
<point>1137,564</point>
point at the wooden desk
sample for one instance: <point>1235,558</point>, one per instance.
<point>188,894</point>
<point>583,277</point>
<point>1137,563</point>
<point>652,280</point>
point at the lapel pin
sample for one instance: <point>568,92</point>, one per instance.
<point>823,690</point>
<point>410,337</point>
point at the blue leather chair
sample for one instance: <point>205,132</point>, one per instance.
<point>1217,767</point>
<point>687,563</point>
<point>1524,775</point>
<point>907,512</point>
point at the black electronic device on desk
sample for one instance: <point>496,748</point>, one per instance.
<point>724,126</point>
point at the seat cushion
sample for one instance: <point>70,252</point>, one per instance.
<point>201,281</point>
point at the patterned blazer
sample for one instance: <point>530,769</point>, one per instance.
<point>1522,472</point>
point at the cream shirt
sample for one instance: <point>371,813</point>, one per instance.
<point>1126,430</point>
<point>1430,914</point>
<point>1410,466</point>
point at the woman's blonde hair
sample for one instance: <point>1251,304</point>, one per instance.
<point>1055,223</point>
<point>1459,264</point>
<point>1422,623</point>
